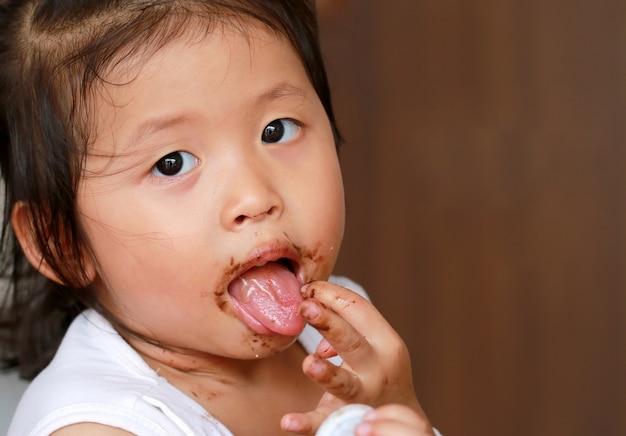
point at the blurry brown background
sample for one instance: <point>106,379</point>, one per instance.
<point>485,171</point>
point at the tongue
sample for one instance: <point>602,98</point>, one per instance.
<point>267,299</point>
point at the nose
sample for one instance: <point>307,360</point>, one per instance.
<point>250,197</point>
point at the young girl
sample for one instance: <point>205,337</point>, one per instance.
<point>172,178</point>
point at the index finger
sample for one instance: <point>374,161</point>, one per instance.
<point>350,306</point>
<point>349,322</point>
<point>344,339</point>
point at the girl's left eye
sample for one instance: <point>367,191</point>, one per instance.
<point>280,130</point>
<point>175,164</point>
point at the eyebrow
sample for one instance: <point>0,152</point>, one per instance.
<point>282,91</point>
<point>154,125</point>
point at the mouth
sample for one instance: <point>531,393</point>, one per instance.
<point>279,254</point>
<point>266,292</point>
<point>289,264</point>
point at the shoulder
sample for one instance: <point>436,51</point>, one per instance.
<point>97,380</point>
<point>82,377</point>
<point>92,359</point>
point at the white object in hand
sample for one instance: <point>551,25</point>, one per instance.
<point>343,421</point>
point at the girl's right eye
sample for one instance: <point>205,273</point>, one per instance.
<point>175,164</point>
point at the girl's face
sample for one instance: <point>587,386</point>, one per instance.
<point>211,193</point>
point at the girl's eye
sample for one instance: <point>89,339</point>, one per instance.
<point>175,164</point>
<point>279,131</point>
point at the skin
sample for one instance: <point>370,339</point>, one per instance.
<point>164,249</point>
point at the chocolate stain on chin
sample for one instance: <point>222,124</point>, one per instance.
<point>259,341</point>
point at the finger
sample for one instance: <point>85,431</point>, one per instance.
<point>335,380</point>
<point>302,423</point>
<point>325,349</point>
<point>342,300</point>
<point>356,310</point>
<point>344,338</point>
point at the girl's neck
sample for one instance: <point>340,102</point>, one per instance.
<point>245,395</point>
<point>187,363</point>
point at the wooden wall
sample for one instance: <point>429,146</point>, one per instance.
<point>485,171</point>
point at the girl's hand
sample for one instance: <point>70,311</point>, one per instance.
<point>376,368</point>
<point>394,420</point>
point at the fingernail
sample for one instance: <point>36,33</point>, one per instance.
<point>307,291</point>
<point>318,366</point>
<point>328,348</point>
<point>309,310</point>
<point>288,424</point>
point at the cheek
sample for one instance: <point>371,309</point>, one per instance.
<point>334,196</point>
<point>325,212</point>
<point>336,215</point>
<point>330,193</point>
<point>335,212</point>
<point>130,248</point>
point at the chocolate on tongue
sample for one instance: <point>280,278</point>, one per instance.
<point>270,294</point>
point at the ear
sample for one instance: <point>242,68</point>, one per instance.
<point>21,220</point>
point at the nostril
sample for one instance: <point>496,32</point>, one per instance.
<point>242,218</point>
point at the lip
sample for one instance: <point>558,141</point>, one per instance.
<point>269,253</point>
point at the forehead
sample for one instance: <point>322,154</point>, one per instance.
<point>129,61</point>
<point>199,73</point>
<point>227,53</point>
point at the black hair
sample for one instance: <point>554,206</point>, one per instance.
<point>54,53</point>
